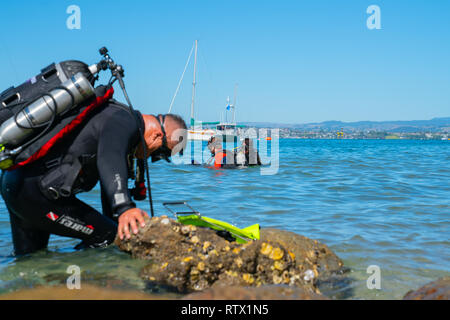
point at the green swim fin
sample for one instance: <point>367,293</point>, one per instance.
<point>194,218</point>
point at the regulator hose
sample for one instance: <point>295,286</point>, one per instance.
<point>122,86</point>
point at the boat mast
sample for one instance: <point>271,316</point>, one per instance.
<point>193,85</point>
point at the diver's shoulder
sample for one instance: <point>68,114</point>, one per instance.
<point>117,105</point>
<point>122,111</point>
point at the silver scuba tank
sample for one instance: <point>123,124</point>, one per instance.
<point>73,91</point>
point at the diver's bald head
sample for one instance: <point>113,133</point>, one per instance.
<point>175,130</point>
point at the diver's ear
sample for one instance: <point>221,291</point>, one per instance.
<point>154,142</point>
<point>155,135</point>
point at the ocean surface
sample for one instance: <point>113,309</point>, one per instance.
<point>373,202</point>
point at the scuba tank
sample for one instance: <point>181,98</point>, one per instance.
<point>19,127</point>
<point>30,110</point>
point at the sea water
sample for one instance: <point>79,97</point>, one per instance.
<point>383,203</point>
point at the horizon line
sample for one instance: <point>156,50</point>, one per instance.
<point>317,122</point>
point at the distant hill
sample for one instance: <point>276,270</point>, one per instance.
<point>435,124</point>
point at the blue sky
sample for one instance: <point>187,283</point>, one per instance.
<point>294,61</point>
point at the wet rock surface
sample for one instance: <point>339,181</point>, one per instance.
<point>188,258</point>
<point>105,281</point>
<point>267,292</point>
<point>87,292</point>
<point>93,292</point>
<point>436,290</point>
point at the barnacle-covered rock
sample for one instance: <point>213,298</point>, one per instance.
<point>436,290</point>
<point>268,292</point>
<point>190,258</point>
<point>315,261</point>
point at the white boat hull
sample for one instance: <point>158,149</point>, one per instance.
<point>200,135</point>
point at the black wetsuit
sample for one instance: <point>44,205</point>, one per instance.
<point>41,196</point>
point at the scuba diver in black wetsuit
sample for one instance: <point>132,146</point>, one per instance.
<point>247,155</point>
<point>41,197</point>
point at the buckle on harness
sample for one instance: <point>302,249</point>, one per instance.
<point>53,193</point>
<point>52,163</point>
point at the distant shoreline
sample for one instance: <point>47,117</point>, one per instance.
<point>443,122</point>
<point>286,133</point>
<point>416,139</point>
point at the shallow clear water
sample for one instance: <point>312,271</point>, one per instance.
<point>373,202</point>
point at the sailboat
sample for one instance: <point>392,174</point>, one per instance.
<point>200,130</point>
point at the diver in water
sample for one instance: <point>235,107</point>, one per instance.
<point>220,158</point>
<point>41,197</point>
<point>247,155</point>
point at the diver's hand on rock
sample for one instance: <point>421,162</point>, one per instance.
<point>130,218</point>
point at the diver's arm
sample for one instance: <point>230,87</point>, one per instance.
<point>114,142</point>
<point>119,133</point>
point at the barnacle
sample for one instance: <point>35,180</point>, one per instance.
<point>292,255</point>
<point>285,276</point>
<point>206,245</point>
<point>185,229</point>
<point>195,239</point>
<point>266,248</point>
<point>276,254</point>
<point>201,266</point>
<point>279,265</point>
<point>277,279</point>
<point>248,278</point>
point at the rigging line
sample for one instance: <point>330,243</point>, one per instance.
<point>181,79</point>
